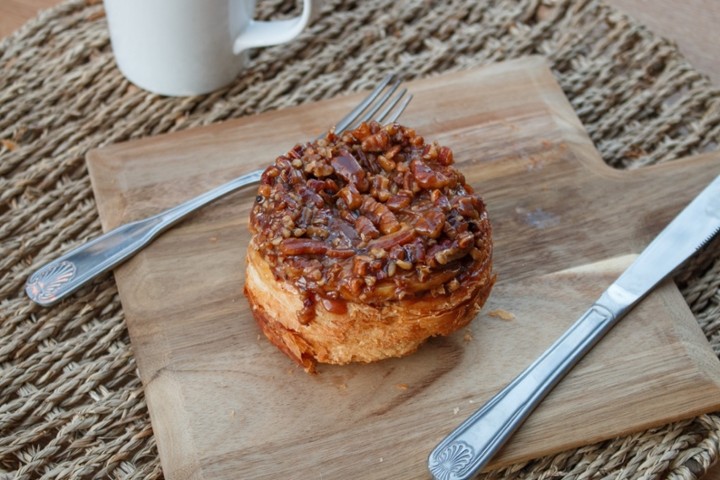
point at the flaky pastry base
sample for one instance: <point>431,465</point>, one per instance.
<point>365,333</point>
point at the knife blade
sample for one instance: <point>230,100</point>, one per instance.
<point>468,448</point>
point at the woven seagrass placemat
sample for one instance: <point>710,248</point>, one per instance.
<point>71,402</point>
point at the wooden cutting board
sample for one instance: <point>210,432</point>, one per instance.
<point>224,403</point>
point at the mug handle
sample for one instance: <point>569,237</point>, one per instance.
<point>265,34</point>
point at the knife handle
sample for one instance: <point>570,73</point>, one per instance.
<point>462,454</point>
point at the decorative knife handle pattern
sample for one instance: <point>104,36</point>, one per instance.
<point>452,461</point>
<point>469,447</point>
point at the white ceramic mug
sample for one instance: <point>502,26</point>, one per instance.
<point>190,47</point>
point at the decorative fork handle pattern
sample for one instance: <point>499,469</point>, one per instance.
<point>63,276</point>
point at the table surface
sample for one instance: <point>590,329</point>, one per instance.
<point>691,24</point>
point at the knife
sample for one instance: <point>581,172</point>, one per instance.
<point>468,448</point>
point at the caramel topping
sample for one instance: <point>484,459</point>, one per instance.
<point>375,214</point>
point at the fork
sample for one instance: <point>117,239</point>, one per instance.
<point>64,275</point>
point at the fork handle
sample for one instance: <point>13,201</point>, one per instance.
<point>64,275</point>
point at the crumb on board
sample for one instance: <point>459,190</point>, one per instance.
<point>213,239</point>
<point>401,386</point>
<point>456,410</point>
<point>467,337</point>
<point>501,314</point>
<point>232,413</point>
<point>339,383</point>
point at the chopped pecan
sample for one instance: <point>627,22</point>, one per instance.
<point>302,246</point>
<point>386,242</point>
<point>430,223</point>
<point>376,143</point>
<point>445,156</point>
<point>366,229</point>
<point>350,170</point>
<point>350,196</point>
<point>341,216</point>
<point>385,163</point>
<point>380,215</point>
<point>399,201</point>
<point>428,178</point>
<point>447,255</point>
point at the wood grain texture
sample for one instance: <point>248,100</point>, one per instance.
<point>14,13</point>
<point>223,400</point>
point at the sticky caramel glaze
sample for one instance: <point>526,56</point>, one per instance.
<point>364,333</point>
<point>373,216</point>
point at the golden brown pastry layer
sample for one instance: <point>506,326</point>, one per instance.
<point>363,333</point>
